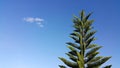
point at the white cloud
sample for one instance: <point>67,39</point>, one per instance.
<point>38,21</point>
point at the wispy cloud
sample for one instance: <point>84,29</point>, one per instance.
<point>38,21</point>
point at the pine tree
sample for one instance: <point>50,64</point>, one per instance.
<point>83,53</point>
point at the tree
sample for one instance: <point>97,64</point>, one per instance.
<point>83,53</point>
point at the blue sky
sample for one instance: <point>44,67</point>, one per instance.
<point>33,33</point>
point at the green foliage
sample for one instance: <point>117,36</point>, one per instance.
<point>83,53</point>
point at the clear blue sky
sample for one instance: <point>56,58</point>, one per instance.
<point>33,33</point>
